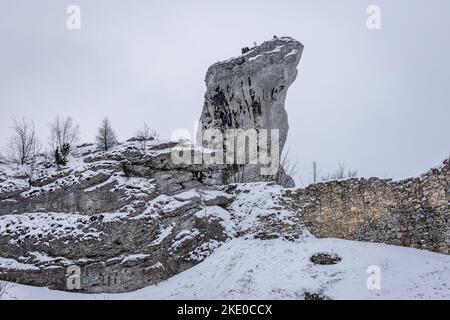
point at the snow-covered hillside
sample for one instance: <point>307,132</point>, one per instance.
<point>279,269</point>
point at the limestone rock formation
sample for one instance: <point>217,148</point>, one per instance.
<point>250,92</point>
<point>127,218</point>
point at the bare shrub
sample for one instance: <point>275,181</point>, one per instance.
<point>64,133</point>
<point>23,145</point>
<point>146,134</point>
<point>340,173</point>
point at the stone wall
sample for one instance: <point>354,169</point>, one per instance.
<point>414,212</point>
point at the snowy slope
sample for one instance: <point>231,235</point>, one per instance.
<point>279,269</point>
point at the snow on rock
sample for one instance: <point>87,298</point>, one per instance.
<point>8,263</point>
<point>46,225</point>
<point>135,257</point>
<point>184,236</point>
<point>168,231</point>
<point>164,232</point>
<point>259,209</point>
<point>219,214</point>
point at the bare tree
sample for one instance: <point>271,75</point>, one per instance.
<point>64,132</point>
<point>106,137</point>
<point>352,173</point>
<point>340,173</point>
<point>146,134</point>
<point>23,144</point>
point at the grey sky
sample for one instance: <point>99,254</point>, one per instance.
<point>374,100</point>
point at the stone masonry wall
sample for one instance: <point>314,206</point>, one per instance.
<point>414,212</point>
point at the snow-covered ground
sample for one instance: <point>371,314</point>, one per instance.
<point>279,269</point>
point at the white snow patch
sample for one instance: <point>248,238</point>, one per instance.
<point>164,232</point>
<point>6,263</point>
<point>135,257</point>
<point>292,53</point>
<point>184,236</point>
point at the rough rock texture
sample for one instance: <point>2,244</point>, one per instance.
<point>116,252</point>
<point>250,92</point>
<point>128,218</point>
<point>165,219</point>
<point>414,212</point>
<point>97,182</point>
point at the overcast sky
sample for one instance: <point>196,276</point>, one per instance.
<point>376,100</point>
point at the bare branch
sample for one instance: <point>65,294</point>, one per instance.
<point>340,174</point>
<point>64,133</point>
<point>146,134</point>
<point>23,144</point>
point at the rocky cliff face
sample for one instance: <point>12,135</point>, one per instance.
<point>249,92</point>
<point>128,218</point>
<point>123,179</point>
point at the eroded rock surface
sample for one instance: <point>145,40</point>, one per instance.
<point>249,92</point>
<point>128,218</point>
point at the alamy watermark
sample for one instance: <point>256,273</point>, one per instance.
<point>73,277</point>
<point>374,19</point>
<point>73,21</point>
<point>231,146</point>
<point>374,279</point>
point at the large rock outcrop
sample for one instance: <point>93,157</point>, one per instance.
<point>128,218</point>
<point>250,92</point>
